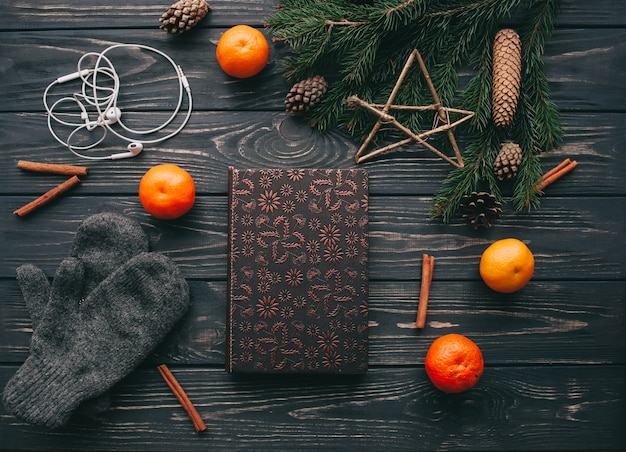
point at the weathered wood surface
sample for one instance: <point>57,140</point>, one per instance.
<point>400,232</point>
<point>517,408</point>
<point>212,141</point>
<point>576,64</point>
<point>555,352</point>
<point>529,328</point>
<point>74,14</point>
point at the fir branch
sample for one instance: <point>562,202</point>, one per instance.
<point>525,194</point>
<point>466,179</point>
<point>363,60</point>
<point>536,34</point>
<point>482,8</point>
<point>360,49</point>
<point>538,127</point>
<point>401,15</point>
<point>481,146</point>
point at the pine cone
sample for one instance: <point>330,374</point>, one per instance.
<point>183,16</point>
<point>507,68</point>
<point>508,161</point>
<point>303,96</point>
<point>479,208</point>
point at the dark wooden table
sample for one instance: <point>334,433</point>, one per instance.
<point>555,352</point>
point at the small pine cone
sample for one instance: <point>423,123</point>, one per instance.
<point>507,69</point>
<point>183,16</point>
<point>508,161</point>
<point>303,96</point>
<point>479,208</point>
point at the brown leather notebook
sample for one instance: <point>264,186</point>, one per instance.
<point>297,271</point>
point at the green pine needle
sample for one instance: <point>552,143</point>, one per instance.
<point>361,49</point>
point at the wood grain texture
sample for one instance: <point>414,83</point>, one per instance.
<point>74,14</point>
<point>536,326</point>
<point>400,231</point>
<point>213,141</point>
<point>144,77</point>
<point>555,352</point>
<point>387,409</point>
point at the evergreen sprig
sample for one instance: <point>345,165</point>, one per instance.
<point>361,48</point>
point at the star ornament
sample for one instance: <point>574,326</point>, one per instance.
<point>442,119</point>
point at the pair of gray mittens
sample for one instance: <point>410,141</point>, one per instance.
<point>110,303</point>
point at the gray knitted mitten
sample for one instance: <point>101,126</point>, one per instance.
<point>103,243</point>
<point>82,347</point>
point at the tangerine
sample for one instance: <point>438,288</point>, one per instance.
<point>242,51</point>
<point>454,363</point>
<point>167,191</point>
<point>507,265</point>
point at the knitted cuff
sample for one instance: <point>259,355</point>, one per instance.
<point>45,394</point>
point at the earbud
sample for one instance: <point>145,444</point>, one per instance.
<point>134,149</point>
<point>112,115</point>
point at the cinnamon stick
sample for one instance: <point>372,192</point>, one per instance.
<point>428,266</point>
<point>560,166</point>
<point>47,197</point>
<point>52,168</point>
<point>180,394</point>
<point>557,172</point>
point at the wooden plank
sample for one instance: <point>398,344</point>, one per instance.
<point>567,51</point>
<point>141,14</point>
<point>387,409</point>
<point>572,238</point>
<point>147,81</point>
<point>547,323</point>
<point>34,59</point>
<point>212,141</point>
<point>576,13</point>
<point>145,13</point>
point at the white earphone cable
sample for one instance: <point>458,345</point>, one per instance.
<point>104,100</point>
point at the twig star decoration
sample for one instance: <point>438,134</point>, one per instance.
<point>442,120</point>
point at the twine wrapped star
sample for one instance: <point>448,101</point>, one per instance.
<point>442,119</point>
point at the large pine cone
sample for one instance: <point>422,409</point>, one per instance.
<point>507,70</point>
<point>480,208</point>
<point>183,16</point>
<point>508,160</point>
<point>303,96</point>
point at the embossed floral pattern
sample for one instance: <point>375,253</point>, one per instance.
<point>298,271</point>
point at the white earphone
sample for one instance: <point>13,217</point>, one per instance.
<point>103,99</point>
<point>134,149</point>
<point>113,115</point>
